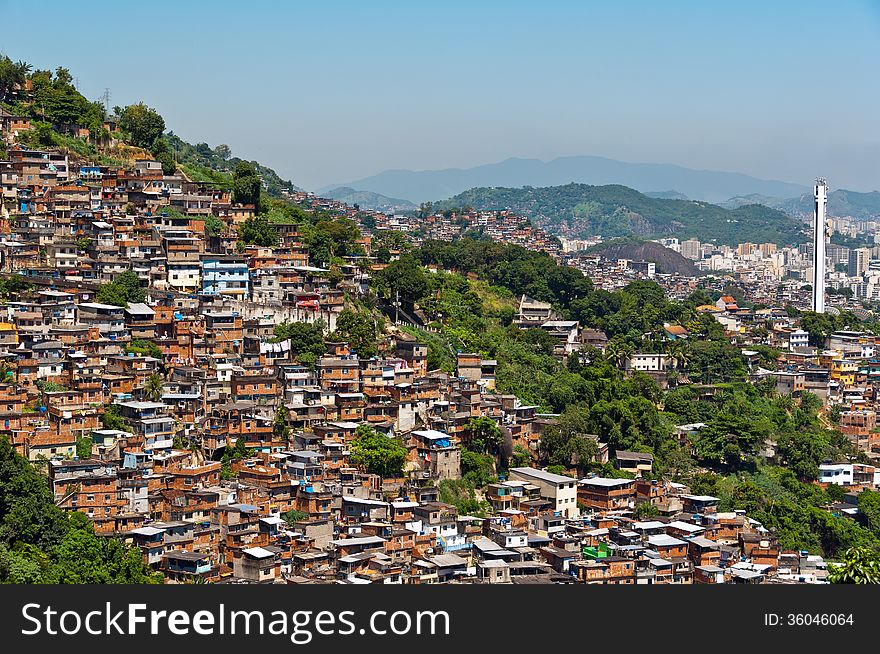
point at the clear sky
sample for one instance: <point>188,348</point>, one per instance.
<point>331,91</point>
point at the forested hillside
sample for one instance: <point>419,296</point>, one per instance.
<point>58,112</point>
<point>577,210</point>
<point>726,458</point>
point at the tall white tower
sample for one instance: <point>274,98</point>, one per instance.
<point>820,191</point>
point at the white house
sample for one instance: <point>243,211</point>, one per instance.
<point>558,489</point>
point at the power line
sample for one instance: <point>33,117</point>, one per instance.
<point>106,100</point>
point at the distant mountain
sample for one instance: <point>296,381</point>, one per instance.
<point>752,198</point>
<point>841,203</point>
<point>707,185</point>
<point>668,261</point>
<point>578,210</point>
<point>368,199</point>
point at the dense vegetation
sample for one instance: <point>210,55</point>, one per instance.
<point>757,451</point>
<point>218,163</point>
<point>578,210</point>
<point>377,453</point>
<point>55,107</point>
<point>125,288</point>
<point>40,543</point>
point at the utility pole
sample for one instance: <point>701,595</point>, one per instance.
<point>396,306</point>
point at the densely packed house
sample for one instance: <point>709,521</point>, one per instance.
<point>293,506</point>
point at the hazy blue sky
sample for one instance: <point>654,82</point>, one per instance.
<point>328,91</point>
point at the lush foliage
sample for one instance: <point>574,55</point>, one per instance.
<point>143,124</point>
<point>860,565</point>
<point>125,288</point>
<point>40,543</point>
<point>306,339</point>
<point>615,210</point>
<point>112,418</point>
<point>376,453</point>
<point>257,230</point>
<point>360,329</point>
<point>519,270</point>
<point>462,494</point>
<point>246,185</point>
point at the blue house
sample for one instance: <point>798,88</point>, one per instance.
<point>224,274</point>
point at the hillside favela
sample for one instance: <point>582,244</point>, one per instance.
<point>211,375</point>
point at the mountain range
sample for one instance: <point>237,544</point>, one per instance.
<point>579,210</point>
<point>369,200</point>
<point>706,185</point>
<point>841,203</point>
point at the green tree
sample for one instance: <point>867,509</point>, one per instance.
<point>154,387</point>
<point>231,454</point>
<point>84,447</point>
<point>521,457</point>
<point>461,494</point>
<point>478,469</point>
<point>40,543</point>
<point>360,329</point>
<point>376,453</point>
<point>645,510</point>
<point>329,239</point>
<point>112,418</point>
<point>246,186</point>
<point>306,338</point>
<point>223,151</point>
<point>404,278</point>
<point>803,451</point>
<point>869,507</point>
<point>142,123</point>
<point>568,441</point>
<point>125,288</point>
<point>279,426</point>
<point>214,226</point>
<point>483,435</point>
<point>169,166</point>
<point>257,230</point>
<point>293,516</point>
<point>145,348</point>
<point>12,76</point>
<point>860,565</point>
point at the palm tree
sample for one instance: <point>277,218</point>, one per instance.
<point>627,350</point>
<point>154,387</point>
<point>22,70</point>
<point>678,351</point>
<point>612,350</point>
<point>675,350</point>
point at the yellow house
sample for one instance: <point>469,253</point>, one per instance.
<point>8,334</point>
<point>844,371</point>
